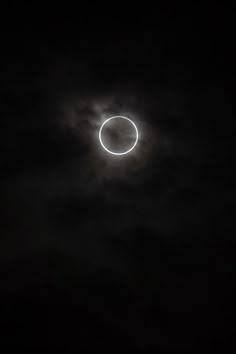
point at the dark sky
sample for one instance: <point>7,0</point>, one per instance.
<point>119,254</point>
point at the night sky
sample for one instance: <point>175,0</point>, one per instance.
<point>131,253</point>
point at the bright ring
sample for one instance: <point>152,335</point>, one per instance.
<point>118,153</point>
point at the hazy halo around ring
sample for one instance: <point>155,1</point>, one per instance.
<point>118,153</point>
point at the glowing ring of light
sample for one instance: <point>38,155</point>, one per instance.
<point>118,153</point>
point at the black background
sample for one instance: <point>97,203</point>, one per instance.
<point>134,255</point>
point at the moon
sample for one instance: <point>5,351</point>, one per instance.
<point>135,136</point>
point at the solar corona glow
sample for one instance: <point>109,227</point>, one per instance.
<point>135,139</point>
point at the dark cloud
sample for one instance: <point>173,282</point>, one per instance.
<point>98,251</point>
